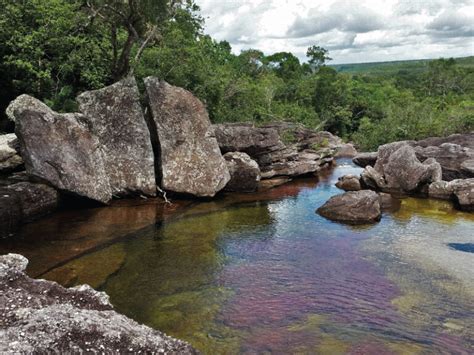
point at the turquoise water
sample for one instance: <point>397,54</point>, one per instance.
<point>272,276</point>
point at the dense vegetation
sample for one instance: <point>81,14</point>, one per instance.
<point>54,49</point>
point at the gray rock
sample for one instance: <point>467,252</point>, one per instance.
<point>355,207</point>
<point>40,316</point>
<point>115,116</point>
<point>404,172</point>
<point>467,166</point>
<point>384,152</point>
<point>291,168</point>
<point>247,138</point>
<point>349,183</point>
<point>10,159</point>
<point>464,194</point>
<point>365,159</point>
<point>372,179</point>
<point>442,190</point>
<point>244,172</point>
<point>60,149</point>
<point>190,159</point>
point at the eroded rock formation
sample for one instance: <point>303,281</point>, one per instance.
<point>114,115</point>
<point>190,159</point>
<point>39,316</point>
<point>244,172</point>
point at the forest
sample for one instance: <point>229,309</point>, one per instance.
<point>56,49</point>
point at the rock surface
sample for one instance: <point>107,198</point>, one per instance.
<point>397,169</point>
<point>39,316</point>
<point>388,202</point>
<point>365,159</point>
<point>349,183</point>
<point>244,172</point>
<point>346,151</point>
<point>356,207</point>
<point>459,190</point>
<point>60,149</point>
<point>190,158</point>
<point>10,159</point>
<point>115,116</point>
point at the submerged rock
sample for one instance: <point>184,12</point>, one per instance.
<point>39,316</point>
<point>365,159</point>
<point>356,207</point>
<point>273,182</point>
<point>60,149</point>
<point>190,159</point>
<point>115,116</point>
<point>388,202</point>
<point>244,172</point>
<point>349,183</point>
<point>10,159</point>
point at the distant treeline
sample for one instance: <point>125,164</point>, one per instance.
<point>55,49</point>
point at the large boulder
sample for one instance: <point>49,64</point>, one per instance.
<point>40,317</point>
<point>365,159</point>
<point>346,150</point>
<point>60,149</point>
<point>404,172</point>
<point>10,159</point>
<point>190,158</point>
<point>244,172</point>
<point>355,207</point>
<point>348,183</point>
<point>115,116</point>
<point>397,169</point>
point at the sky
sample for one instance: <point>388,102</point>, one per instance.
<point>354,31</point>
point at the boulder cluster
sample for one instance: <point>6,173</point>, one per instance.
<point>116,147</point>
<point>440,168</point>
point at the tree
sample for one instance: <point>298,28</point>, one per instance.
<point>142,22</point>
<point>317,56</point>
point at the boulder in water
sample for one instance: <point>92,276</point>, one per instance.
<point>355,207</point>
<point>244,172</point>
<point>190,159</point>
<point>365,159</point>
<point>60,149</point>
<point>349,183</point>
<point>115,116</point>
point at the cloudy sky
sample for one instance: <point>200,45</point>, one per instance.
<point>353,30</point>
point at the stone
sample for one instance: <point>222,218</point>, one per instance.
<point>365,159</point>
<point>40,316</point>
<point>349,183</point>
<point>190,159</point>
<point>355,207</point>
<point>464,194</point>
<point>442,190</point>
<point>384,152</point>
<point>244,172</point>
<point>36,200</point>
<point>10,159</point>
<point>291,168</point>
<point>464,139</point>
<point>60,149</point>
<point>247,138</point>
<point>404,172</point>
<point>467,166</point>
<point>346,151</point>
<point>372,179</point>
<point>451,157</point>
<point>388,202</point>
<point>10,213</point>
<point>115,116</point>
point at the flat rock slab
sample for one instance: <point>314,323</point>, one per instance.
<point>355,207</point>
<point>115,116</point>
<point>60,149</point>
<point>190,159</point>
<point>40,316</point>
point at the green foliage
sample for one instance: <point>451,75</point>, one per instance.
<point>55,49</point>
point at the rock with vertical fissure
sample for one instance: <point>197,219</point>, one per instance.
<point>190,159</point>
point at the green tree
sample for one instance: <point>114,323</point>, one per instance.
<point>317,56</point>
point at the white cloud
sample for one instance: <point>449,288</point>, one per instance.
<point>352,30</point>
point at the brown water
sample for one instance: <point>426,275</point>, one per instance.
<point>264,274</point>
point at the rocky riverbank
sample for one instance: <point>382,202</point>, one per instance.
<point>113,147</point>
<point>39,316</point>
<point>440,168</point>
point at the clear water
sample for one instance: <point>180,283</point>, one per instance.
<point>272,276</point>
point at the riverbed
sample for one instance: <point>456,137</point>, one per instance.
<point>264,273</point>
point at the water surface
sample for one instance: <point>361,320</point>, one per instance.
<point>265,274</point>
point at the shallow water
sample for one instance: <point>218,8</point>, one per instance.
<point>267,274</point>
